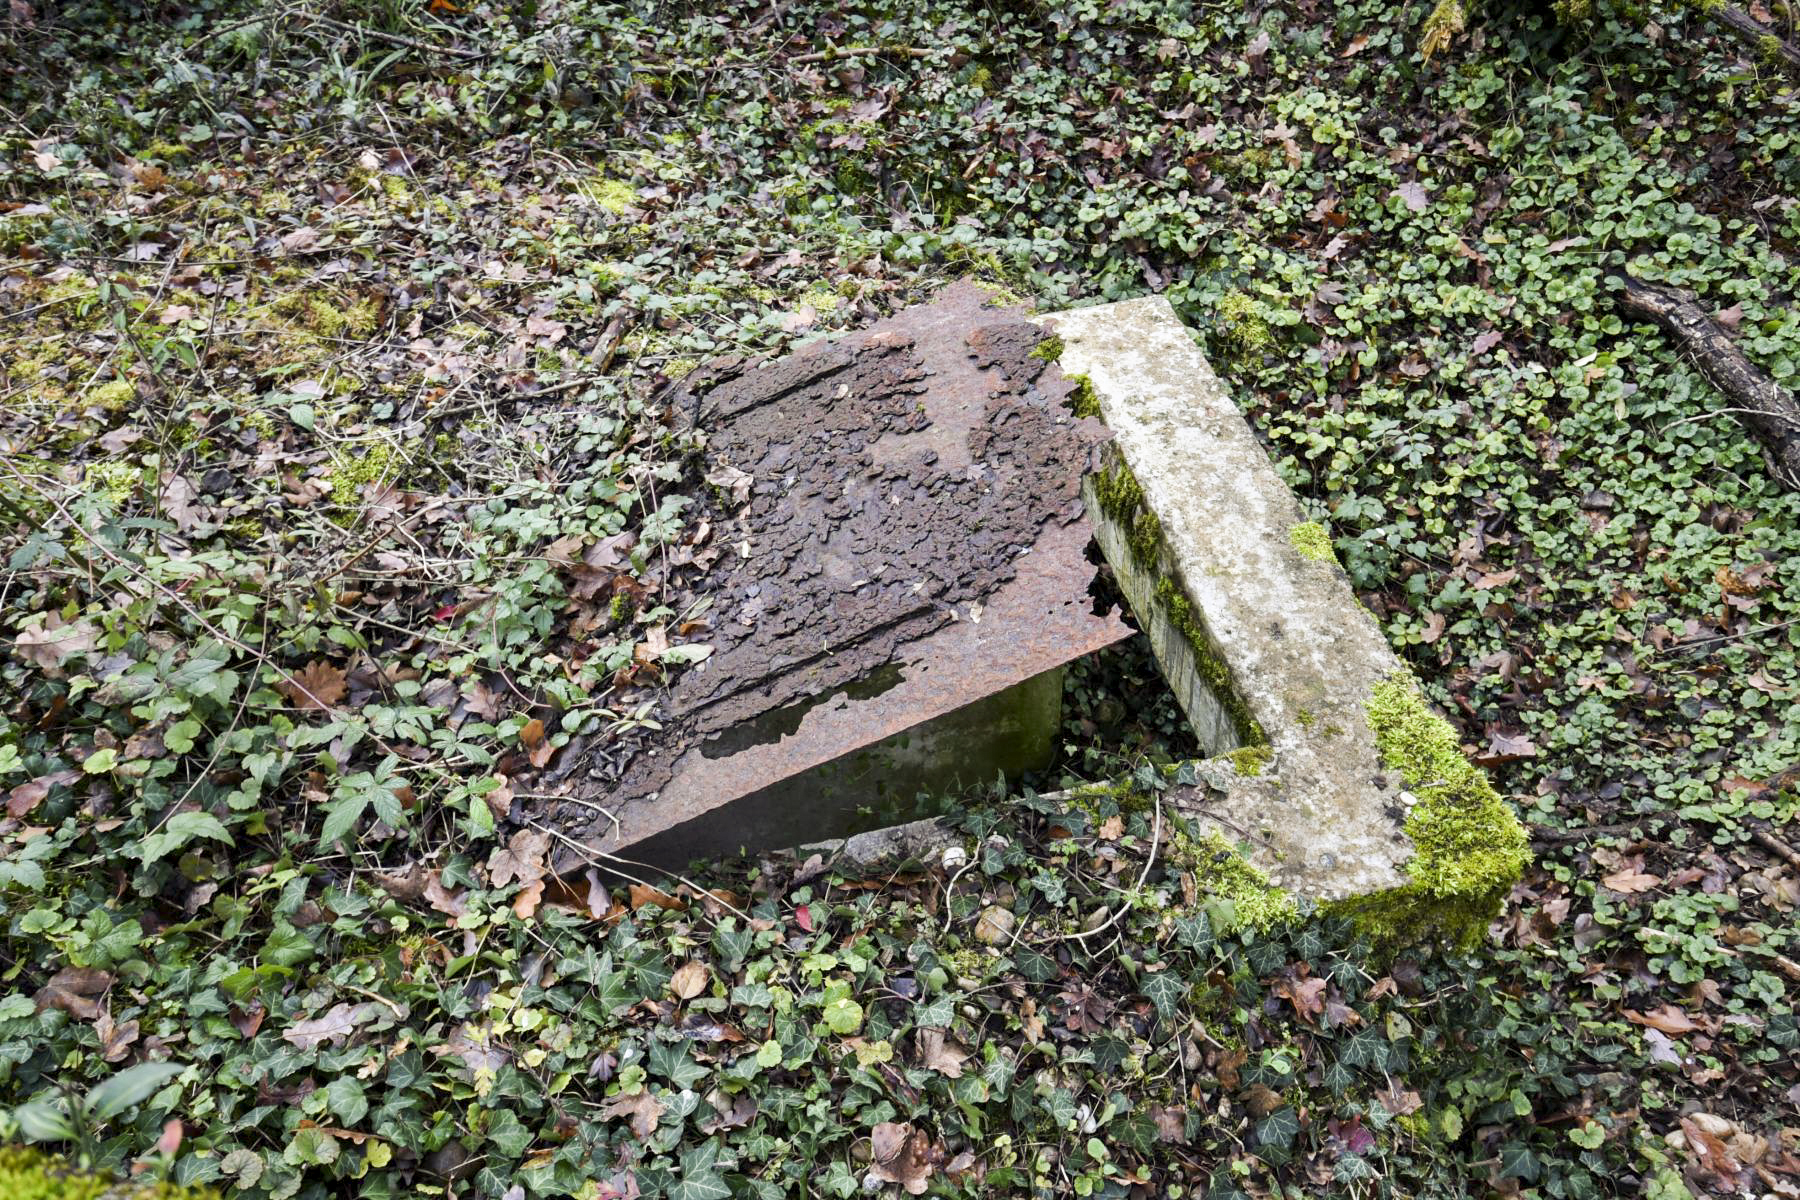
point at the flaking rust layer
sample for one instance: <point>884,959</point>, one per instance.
<point>872,492</point>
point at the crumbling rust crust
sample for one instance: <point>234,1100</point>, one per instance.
<point>884,502</point>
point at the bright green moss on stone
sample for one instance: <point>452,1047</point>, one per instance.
<point>1468,845</point>
<point>30,1175</point>
<point>1249,761</point>
<point>1048,350</point>
<point>1212,668</point>
<point>1122,500</point>
<point>1313,541</point>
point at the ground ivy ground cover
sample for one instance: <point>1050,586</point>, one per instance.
<point>339,501</point>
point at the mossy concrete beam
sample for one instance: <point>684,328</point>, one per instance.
<point>1265,644</point>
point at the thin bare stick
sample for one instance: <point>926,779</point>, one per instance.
<point>1113,917</point>
<point>597,855</point>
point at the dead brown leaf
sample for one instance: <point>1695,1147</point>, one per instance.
<point>73,989</point>
<point>643,893</point>
<point>1630,881</point>
<point>900,1155</point>
<point>641,1109</point>
<point>47,645</point>
<point>1306,995</point>
<point>525,904</point>
<point>522,859</point>
<point>689,979</point>
<point>28,795</point>
<point>335,1026</point>
<point>315,687</point>
<point>942,1054</point>
<point>115,1040</point>
<point>1668,1018</point>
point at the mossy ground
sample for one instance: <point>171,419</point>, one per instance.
<point>1242,895</point>
<point>32,1175</point>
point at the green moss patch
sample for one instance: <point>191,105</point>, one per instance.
<point>1468,845</point>
<point>1084,401</point>
<point>1249,761</point>
<point>1228,879</point>
<point>1313,541</point>
<point>1211,666</point>
<point>30,1175</point>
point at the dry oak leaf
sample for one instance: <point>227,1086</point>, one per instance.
<point>1668,1018</point>
<point>641,1109</point>
<point>942,1054</point>
<point>72,989</point>
<point>1630,881</point>
<point>899,1153</point>
<point>689,979</point>
<point>315,687</point>
<point>335,1026</point>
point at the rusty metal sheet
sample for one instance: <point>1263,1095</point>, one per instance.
<point>913,542</point>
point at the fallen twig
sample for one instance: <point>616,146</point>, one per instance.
<point>1765,408</point>
<point>1754,34</point>
<point>1780,847</point>
<point>1113,917</point>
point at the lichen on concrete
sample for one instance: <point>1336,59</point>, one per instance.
<point>1468,845</point>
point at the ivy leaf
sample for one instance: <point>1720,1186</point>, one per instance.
<point>1279,1128</point>
<point>348,1102</point>
<point>1034,964</point>
<point>732,943</point>
<point>1518,1161</point>
<point>700,1179</point>
<point>671,1061</point>
<point>1167,990</point>
<point>937,1014</point>
<point>508,1134</point>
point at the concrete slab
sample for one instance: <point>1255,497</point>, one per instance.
<point>1253,620</point>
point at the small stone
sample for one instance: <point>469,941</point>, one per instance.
<point>954,857</point>
<point>995,925</point>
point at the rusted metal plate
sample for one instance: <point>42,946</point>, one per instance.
<point>907,541</point>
